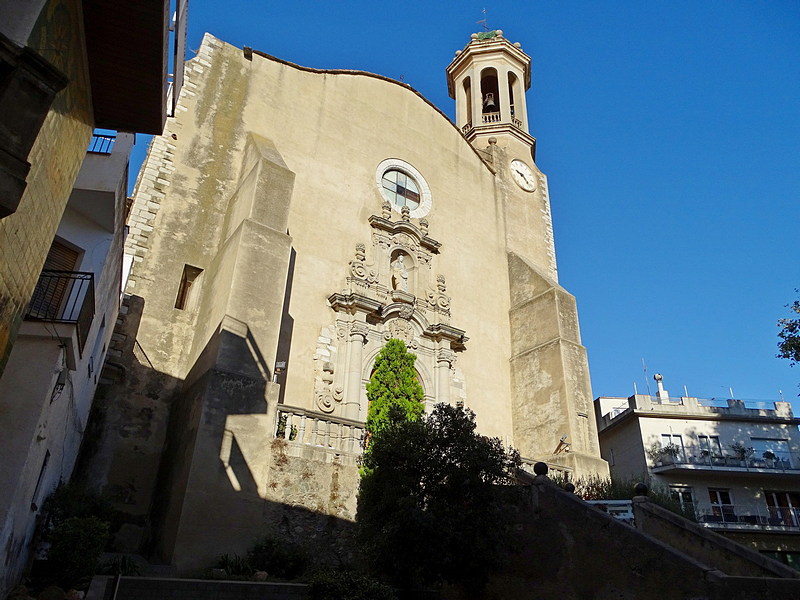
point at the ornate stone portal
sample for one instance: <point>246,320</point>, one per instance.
<point>396,295</point>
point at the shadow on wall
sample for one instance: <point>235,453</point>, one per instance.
<point>195,465</point>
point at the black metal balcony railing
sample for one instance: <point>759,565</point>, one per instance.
<point>729,516</point>
<point>64,297</point>
<point>102,143</point>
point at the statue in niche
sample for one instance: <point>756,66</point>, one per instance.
<point>399,274</point>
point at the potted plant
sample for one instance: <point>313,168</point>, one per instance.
<point>655,454</point>
<point>769,457</point>
<point>742,452</point>
<point>671,451</point>
<point>663,455</point>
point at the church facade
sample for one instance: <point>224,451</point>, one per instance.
<point>286,225</point>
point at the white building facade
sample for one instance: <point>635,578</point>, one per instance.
<point>734,464</point>
<point>47,387</point>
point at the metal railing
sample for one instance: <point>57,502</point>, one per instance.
<point>315,429</point>
<point>64,297</point>
<point>728,515</point>
<point>102,143</point>
<point>622,510</point>
<point>780,461</point>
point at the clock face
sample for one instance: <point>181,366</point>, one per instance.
<point>523,175</point>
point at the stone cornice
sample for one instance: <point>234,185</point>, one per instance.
<point>407,227</point>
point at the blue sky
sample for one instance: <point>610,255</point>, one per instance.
<point>669,133</point>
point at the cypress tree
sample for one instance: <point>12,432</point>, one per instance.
<point>393,391</point>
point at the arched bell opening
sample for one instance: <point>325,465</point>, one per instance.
<point>490,96</point>
<point>516,100</point>
<point>467,101</point>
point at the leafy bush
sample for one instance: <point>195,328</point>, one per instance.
<point>434,500</point>
<point>235,565</point>
<point>621,488</point>
<point>75,548</point>
<point>71,500</point>
<point>280,558</point>
<point>121,565</point>
<point>348,585</point>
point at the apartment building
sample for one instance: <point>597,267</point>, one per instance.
<point>734,464</point>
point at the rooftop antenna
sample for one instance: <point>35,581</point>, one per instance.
<point>644,368</point>
<point>483,21</point>
<point>781,393</point>
<point>635,391</point>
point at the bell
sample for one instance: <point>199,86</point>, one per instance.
<point>488,101</point>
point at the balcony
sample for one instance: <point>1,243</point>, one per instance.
<point>102,143</point>
<point>730,517</point>
<point>311,431</point>
<point>64,297</point>
<point>781,463</point>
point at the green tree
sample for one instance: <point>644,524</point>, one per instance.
<point>434,500</point>
<point>789,345</point>
<point>393,390</point>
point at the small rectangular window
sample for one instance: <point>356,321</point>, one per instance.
<point>189,281</point>
<point>37,490</point>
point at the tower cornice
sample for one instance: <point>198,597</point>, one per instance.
<point>478,47</point>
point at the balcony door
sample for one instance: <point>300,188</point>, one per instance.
<point>722,505</point>
<point>784,508</point>
<point>50,291</point>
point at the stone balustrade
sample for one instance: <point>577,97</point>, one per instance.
<point>309,428</point>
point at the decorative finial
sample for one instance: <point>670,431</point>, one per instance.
<point>423,225</point>
<point>406,212</point>
<point>386,209</point>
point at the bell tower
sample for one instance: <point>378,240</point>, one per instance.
<point>488,80</point>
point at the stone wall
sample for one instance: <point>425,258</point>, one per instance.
<point>135,588</point>
<point>567,549</point>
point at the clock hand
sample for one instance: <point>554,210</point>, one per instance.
<point>523,175</point>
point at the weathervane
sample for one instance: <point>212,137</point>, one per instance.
<point>483,21</point>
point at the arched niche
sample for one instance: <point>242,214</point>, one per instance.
<point>402,271</point>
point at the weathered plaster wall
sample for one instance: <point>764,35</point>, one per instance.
<point>551,394</point>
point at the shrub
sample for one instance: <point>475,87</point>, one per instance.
<point>235,565</point>
<point>348,585</point>
<point>280,558</point>
<point>620,488</point>
<point>75,548</point>
<point>121,565</point>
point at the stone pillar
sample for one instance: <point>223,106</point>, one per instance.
<point>477,97</point>
<point>505,100</point>
<point>444,359</point>
<point>355,354</point>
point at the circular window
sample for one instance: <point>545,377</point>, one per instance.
<point>402,185</point>
<point>400,189</point>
